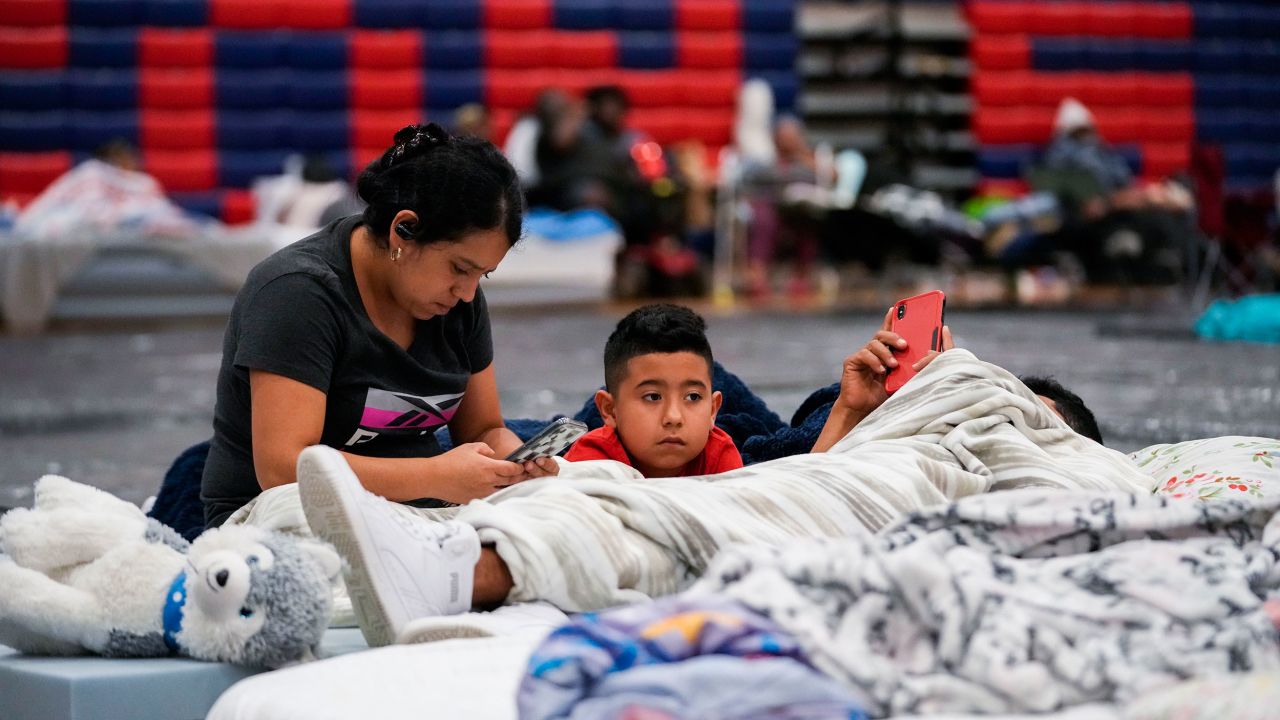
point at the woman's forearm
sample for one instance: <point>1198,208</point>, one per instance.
<point>402,478</point>
<point>502,440</point>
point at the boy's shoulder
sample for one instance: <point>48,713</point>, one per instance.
<point>720,455</point>
<point>599,444</point>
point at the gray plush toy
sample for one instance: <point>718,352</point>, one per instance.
<point>88,572</point>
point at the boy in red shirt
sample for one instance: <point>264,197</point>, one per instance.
<point>658,407</point>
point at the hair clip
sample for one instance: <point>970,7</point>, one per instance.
<point>415,139</point>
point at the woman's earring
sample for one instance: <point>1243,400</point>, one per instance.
<point>395,254</point>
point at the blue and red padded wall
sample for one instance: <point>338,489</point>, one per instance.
<point>217,92</point>
<point>1158,76</point>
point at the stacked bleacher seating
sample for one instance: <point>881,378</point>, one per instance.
<point>218,92</point>
<point>1158,77</point>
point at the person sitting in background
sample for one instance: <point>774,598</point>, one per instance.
<point>1117,227</point>
<point>105,194</point>
<point>320,198</point>
<point>781,218</point>
<point>587,158</point>
<point>523,141</point>
<point>119,153</point>
<point>1077,146</point>
<point>584,160</point>
<point>564,181</point>
<point>472,120</point>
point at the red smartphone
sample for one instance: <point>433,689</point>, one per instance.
<point>919,321</point>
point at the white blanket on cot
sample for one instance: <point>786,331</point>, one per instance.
<point>600,535</point>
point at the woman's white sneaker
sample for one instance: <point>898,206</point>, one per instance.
<point>398,567</point>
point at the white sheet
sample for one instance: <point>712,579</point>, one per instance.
<point>34,271</point>
<point>473,678</point>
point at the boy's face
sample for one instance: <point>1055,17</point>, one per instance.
<point>663,410</point>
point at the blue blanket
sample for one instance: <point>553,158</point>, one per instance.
<point>757,431</point>
<point>674,658</point>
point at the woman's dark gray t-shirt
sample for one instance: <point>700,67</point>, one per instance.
<point>299,315</point>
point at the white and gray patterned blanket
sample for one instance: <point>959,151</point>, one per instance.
<point>1026,601</point>
<point>600,535</point>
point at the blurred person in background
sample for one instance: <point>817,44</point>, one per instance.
<point>119,153</point>
<point>473,120</point>
<point>319,198</point>
<point>784,220</point>
<point>1119,228</point>
<point>522,143</point>
<point>584,160</point>
<point>589,158</point>
<point>106,194</point>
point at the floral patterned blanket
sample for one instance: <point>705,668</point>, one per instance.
<point>1214,468</point>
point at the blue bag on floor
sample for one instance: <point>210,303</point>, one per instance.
<point>1255,318</point>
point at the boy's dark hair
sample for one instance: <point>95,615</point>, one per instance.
<point>456,185</point>
<point>657,328</point>
<point>1074,412</point>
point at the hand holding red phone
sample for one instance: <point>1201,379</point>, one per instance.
<point>862,378</point>
<point>863,375</point>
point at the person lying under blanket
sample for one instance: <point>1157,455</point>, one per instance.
<point>600,534</point>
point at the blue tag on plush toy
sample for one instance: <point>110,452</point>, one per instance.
<point>173,604</point>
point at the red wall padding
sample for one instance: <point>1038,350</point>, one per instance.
<point>517,14</point>
<point>708,15</point>
<point>33,13</point>
<point>175,47</point>
<point>190,88</point>
<point>386,89</point>
<point>29,173</point>
<point>176,129</point>
<point>33,48</point>
<point>182,170</point>
<point>387,49</point>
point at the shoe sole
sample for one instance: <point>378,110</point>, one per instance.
<point>330,519</point>
<point>481,625</point>
<point>442,631</point>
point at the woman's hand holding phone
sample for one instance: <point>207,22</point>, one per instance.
<point>540,467</point>
<point>536,468</point>
<point>470,471</point>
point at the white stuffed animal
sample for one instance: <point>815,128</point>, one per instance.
<point>88,572</point>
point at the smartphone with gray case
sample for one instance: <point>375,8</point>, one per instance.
<point>550,440</point>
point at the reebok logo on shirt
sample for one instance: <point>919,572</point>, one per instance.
<point>397,413</point>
